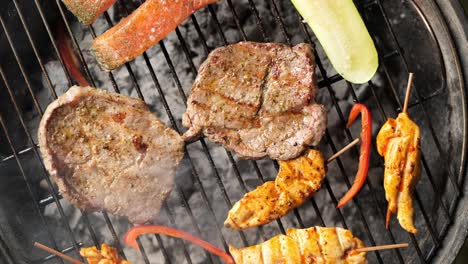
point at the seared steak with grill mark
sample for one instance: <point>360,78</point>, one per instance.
<point>108,151</point>
<point>257,99</point>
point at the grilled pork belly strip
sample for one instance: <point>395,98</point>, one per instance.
<point>257,99</point>
<point>304,246</point>
<point>87,11</point>
<point>108,152</point>
<point>296,182</point>
<point>146,26</point>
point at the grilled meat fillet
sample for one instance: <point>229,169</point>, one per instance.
<point>146,26</point>
<point>399,143</point>
<point>332,245</point>
<point>108,151</point>
<point>257,99</point>
<point>297,181</point>
<point>87,11</point>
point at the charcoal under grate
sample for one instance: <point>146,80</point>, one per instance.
<point>409,35</point>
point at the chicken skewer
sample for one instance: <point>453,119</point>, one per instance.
<point>106,254</point>
<point>398,142</point>
<point>298,179</point>
<point>311,245</point>
<point>57,253</point>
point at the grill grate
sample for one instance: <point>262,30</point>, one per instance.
<point>424,253</point>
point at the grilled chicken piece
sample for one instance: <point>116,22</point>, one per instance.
<point>107,255</point>
<point>332,245</point>
<point>399,143</point>
<point>297,181</point>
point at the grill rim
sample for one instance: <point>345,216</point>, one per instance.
<point>329,82</point>
<point>455,23</point>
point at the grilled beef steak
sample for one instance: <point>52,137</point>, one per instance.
<point>257,99</point>
<point>108,151</point>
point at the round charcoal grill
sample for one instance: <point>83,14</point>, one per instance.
<point>427,37</point>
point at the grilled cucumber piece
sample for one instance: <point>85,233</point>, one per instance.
<point>343,35</point>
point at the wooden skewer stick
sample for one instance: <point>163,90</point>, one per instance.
<point>57,253</point>
<point>383,247</point>
<point>408,92</point>
<point>343,150</point>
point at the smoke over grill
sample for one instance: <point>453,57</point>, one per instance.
<point>211,179</point>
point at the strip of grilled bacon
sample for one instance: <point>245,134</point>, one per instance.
<point>297,181</point>
<point>304,246</point>
<point>399,143</point>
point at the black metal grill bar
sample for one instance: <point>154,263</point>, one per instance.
<point>327,184</point>
<point>259,20</point>
<point>424,214</point>
<point>202,141</point>
<point>113,234</point>
<point>36,53</point>
<point>20,167</point>
<point>452,178</point>
<point>180,193</point>
<point>51,188</point>
<point>418,102</point>
<point>423,159</point>
<point>174,126</point>
<point>384,117</point>
<point>332,145</point>
<point>74,42</point>
<point>322,84</point>
<point>54,94</point>
<point>295,211</point>
<point>51,90</point>
<point>85,218</point>
<point>31,141</point>
<point>412,236</point>
<point>236,20</point>
<point>434,237</point>
<point>418,201</point>
<point>257,170</point>
<point>326,83</point>
<point>371,188</point>
<point>173,123</point>
<point>52,40</point>
<point>428,173</point>
<point>116,241</point>
<point>228,153</point>
<point>20,65</point>
<point>49,199</point>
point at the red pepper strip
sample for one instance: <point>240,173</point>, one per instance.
<point>132,234</point>
<point>364,157</point>
<point>69,58</point>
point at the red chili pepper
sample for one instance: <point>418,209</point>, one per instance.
<point>132,234</point>
<point>69,58</point>
<point>364,157</point>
